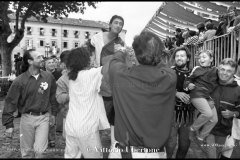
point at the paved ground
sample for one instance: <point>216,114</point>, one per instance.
<point>9,148</point>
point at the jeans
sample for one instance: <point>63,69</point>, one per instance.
<point>182,134</point>
<point>207,119</point>
<point>52,133</point>
<point>34,135</point>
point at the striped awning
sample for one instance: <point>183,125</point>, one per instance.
<point>213,6</point>
<point>162,37</point>
<point>198,9</point>
<point>172,15</point>
<point>230,3</point>
<point>160,30</point>
<point>164,24</point>
<point>171,20</point>
<point>174,10</point>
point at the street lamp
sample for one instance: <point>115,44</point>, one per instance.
<point>47,49</point>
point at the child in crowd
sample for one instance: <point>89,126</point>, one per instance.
<point>201,82</point>
<point>86,114</point>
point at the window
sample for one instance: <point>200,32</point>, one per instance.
<point>76,34</point>
<point>65,33</point>
<point>54,32</point>
<point>87,34</point>
<point>54,43</point>
<point>29,30</point>
<point>27,42</point>
<point>76,44</point>
<point>65,45</point>
<point>41,43</point>
<point>41,31</point>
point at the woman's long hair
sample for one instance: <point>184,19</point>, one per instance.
<point>26,56</point>
<point>78,59</point>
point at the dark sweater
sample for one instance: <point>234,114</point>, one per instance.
<point>183,112</point>
<point>205,80</point>
<point>144,100</point>
<point>24,95</point>
<point>225,97</point>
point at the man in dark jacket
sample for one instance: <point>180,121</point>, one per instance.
<point>144,99</point>
<point>227,102</point>
<point>183,114</point>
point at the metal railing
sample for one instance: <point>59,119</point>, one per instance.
<point>224,46</point>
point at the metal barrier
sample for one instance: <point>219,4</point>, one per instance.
<point>225,46</point>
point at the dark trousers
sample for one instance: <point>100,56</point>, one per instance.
<point>183,141</point>
<point>59,122</point>
<point>108,103</point>
<point>52,133</point>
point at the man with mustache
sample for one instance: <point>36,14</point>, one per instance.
<point>33,94</point>
<point>183,114</point>
<point>227,102</point>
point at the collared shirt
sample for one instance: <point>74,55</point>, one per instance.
<point>26,95</point>
<point>144,100</point>
<point>98,43</point>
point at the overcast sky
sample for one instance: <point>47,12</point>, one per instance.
<point>136,15</point>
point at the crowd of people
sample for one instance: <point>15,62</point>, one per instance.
<point>206,30</point>
<point>148,104</point>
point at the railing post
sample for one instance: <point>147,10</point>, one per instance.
<point>225,46</point>
<point>231,53</point>
<point>234,45</point>
<point>238,44</point>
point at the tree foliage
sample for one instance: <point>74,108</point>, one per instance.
<point>22,10</point>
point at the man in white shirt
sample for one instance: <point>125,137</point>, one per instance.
<point>104,48</point>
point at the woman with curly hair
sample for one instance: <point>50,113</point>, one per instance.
<point>86,114</point>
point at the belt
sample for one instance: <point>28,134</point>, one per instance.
<point>107,98</point>
<point>36,113</point>
<point>140,149</point>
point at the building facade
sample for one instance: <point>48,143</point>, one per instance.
<point>57,35</point>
